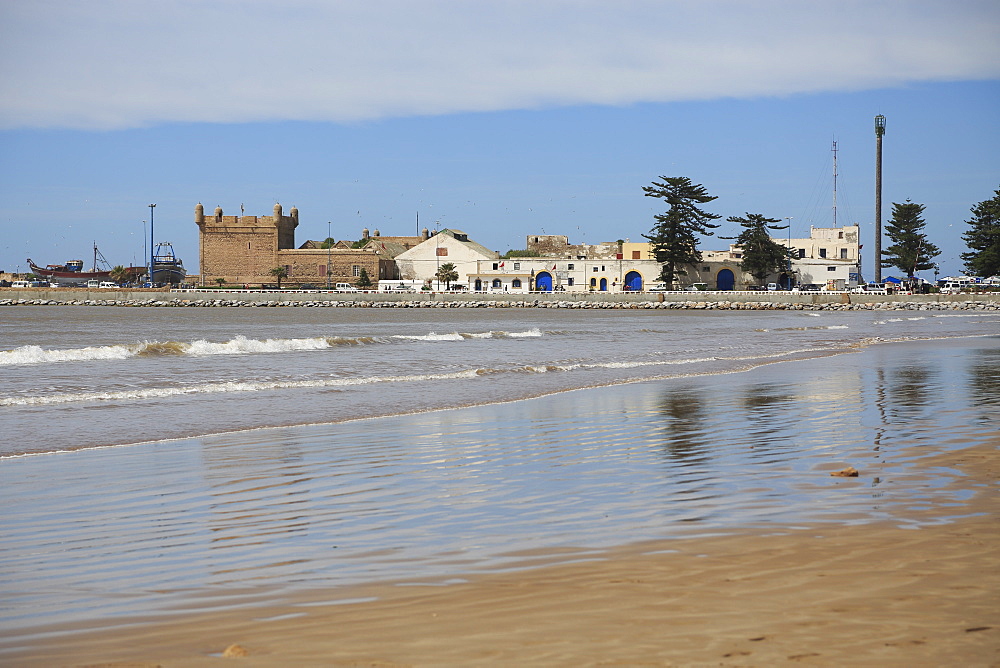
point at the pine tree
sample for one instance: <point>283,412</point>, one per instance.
<point>983,239</point>
<point>364,280</point>
<point>674,238</point>
<point>910,251</point>
<point>762,255</point>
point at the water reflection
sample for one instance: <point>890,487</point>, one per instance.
<point>984,377</point>
<point>686,417</point>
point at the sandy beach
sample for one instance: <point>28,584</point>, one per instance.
<point>863,595</point>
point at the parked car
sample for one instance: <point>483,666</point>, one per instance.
<point>346,287</point>
<point>108,285</point>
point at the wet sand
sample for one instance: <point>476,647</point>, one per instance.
<point>860,595</point>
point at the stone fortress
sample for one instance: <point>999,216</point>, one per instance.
<point>245,249</point>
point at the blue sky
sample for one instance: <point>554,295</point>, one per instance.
<point>502,119</point>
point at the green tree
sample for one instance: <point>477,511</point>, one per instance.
<point>327,243</point>
<point>762,255</point>
<point>279,273</point>
<point>983,239</point>
<point>910,251</point>
<point>221,281</point>
<point>364,280</point>
<point>446,273</point>
<point>674,237</point>
<point>119,274</point>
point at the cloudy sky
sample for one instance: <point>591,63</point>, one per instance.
<point>499,118</point>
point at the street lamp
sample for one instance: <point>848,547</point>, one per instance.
<point>788,226</point>
<point>151,244</point>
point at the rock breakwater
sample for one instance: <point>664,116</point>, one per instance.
<point>722,305</point>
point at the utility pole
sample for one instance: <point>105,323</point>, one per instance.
<point>879,131</point>
<point>152,244</point>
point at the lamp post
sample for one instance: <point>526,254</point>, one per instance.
<point>879,131</point>
<point>329,232</point>
<point>788,226</point>
<point>151,244</point>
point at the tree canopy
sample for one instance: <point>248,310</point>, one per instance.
<point>364,280</point>
<point>983,239</point>
<point>674,237</point>
<point>762,255</point>
<point>279,273</point>
<point>446,273</point>
<point>910,251</point>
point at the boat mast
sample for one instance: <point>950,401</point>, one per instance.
<point>834,184</point>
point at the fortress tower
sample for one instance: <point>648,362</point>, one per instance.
<point>242,249</point>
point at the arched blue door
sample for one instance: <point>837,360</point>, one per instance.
<point>543,282</point>
<point>633,281</point>
<point>604,285</point>
<point>725,280</point>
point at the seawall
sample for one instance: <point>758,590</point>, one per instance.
<point>603,300</point>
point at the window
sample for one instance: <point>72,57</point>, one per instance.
<point>822,252</point>
<point>569,281</point>
<point>843,253</point>
<point>356,270</point>
<point>831,269</point>
<point>802,253</point>
<point>321,270</point>
<point>706,269</point>
<point>497,283</point>
<point>516,283</point>
<point>593,281</point>
<point>636,255</point>
<point>517,266</point>
<point>496,265</point>
<point>442,252</point>
<point>840,235</point>
<point>569,266</point>
<point>602,268</point>
<point>595,270</point>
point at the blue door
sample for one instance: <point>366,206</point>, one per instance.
<point>604,285</point>
<point>725,280</point>
<point>633,281</point>
<point>543,282</point>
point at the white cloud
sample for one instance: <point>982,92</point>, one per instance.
<point>108,64</point>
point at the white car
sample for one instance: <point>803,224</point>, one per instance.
<point>108,285</point>
<point>345,287</point>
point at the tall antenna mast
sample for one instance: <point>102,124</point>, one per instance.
<point>834,184</point>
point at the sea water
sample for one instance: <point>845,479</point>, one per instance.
<point>153,457</point>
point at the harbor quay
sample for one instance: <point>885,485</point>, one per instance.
<point>661,300</point>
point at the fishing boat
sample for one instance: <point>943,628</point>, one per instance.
<point>167,267</point>
<point>72,272</point>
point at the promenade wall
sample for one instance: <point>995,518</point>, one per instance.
<point>9,296</point>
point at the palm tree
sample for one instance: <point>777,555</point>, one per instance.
<point>119,274</point>
<point>221,281</point>
<point>279,273</point>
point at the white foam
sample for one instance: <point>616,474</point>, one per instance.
<point>39,355</point>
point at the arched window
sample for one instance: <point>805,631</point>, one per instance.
<point>516,283</point>
<point>497,283</point>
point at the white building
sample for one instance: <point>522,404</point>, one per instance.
<point>423,261</point>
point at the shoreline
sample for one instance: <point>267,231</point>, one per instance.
<point>820,594</point>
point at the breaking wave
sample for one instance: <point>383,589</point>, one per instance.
<point>238,345</point>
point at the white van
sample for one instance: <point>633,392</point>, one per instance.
<point>20,284</point>
<point>345,287</point>
<point>108,284</point>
